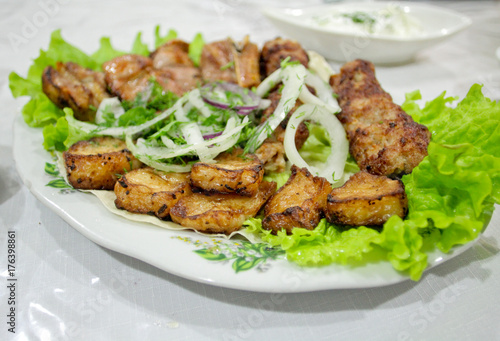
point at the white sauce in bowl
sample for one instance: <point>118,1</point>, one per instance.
<point>392,21</point>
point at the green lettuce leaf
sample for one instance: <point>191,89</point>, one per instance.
<point>451,194</point>
<point>160,40</point>
<point>105,52</point>
<point>139,47</point>
<point>40,111</point>
<point>195,48</point>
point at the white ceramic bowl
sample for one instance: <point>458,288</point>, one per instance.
<point>438,25</point>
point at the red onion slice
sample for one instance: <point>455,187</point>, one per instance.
<point>212,135</point>
<point>224,95</point>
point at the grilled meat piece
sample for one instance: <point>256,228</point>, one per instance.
<point>148,191</point>
<point>383,139</point>
<point>129,75</point>
<point>232,173</point>
<point>276,50</point>
<point>172,53</point>
<point>272,154</point>
<point>177,79</point>
<point>232,62</point>
<point>220,213</point>
<point>71,85</point>
<point>299,203</point>
<point>366,199</point>
<point>98,162</point>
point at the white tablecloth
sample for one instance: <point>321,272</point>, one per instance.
<point>70,288</point>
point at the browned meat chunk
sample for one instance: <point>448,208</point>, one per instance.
<point>366,199</point>
<point>73,86</point>
<point>272,154</point>
<point>220,213</point>
<point>129,75</point>
<point>148,191</point>
<point>383,139</point>
<point>229,61</point>
<point>232,173</point>
<point>299,203</point>
<point>277,50</point>
<point>172,53</point>
<point>98,162</point>
<point>178,79</point>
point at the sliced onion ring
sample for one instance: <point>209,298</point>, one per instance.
<point>211,95</point>
<point>333,170</point>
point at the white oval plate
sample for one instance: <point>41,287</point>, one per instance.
<point>174,250</point>
<point>333,43</point>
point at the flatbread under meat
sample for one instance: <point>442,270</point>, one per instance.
<point>71,85</point>
<point>220,213</point>
<point>366,199</point>
<point>299,203</point>
<point>383,139</point>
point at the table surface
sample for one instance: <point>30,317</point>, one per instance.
<point>71,288</point>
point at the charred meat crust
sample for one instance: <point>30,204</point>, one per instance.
<point>151,192</point>
<point>230,174</point>
<point>276,50</point>
<point>383,139</point>
<point>71,85</point>
<point>272,154</point>
<point>173,53</point>
<point>299,203</point>
<point>129,75</point>
<point>97,163</point>
<point>366,199</point>
<point>220,213</point>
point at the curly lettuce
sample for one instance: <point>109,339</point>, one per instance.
<point>451,194</point>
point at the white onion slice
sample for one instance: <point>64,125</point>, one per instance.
<point>146,159</point>
<point>193,136</point>
<point>112,105</point>
<point>319,65</point>
<point>293,78</point>
<point>333,169</point>
<point>269,82</point>
<point>307,97</point>
<point>323,92</point>
<point>94,129</point>
<point>196,99</point>
<point>151,155</point>
<point>160,152</point>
